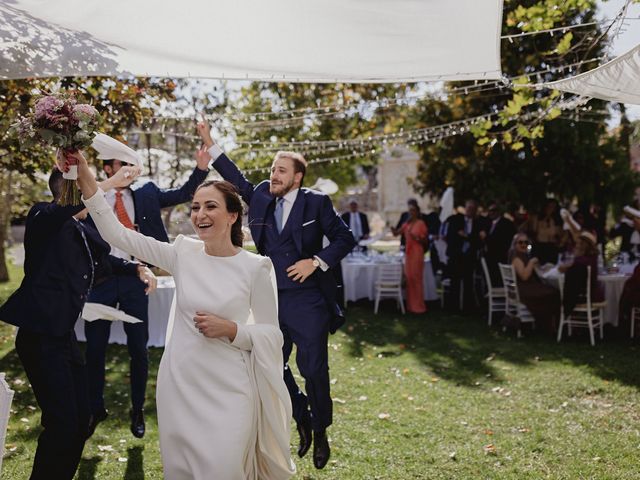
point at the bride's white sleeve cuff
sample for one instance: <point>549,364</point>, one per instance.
<point>243,338</point>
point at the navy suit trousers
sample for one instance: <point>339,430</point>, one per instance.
<point>126,292</point>
<point>304,321</point>
<point>56,370</point>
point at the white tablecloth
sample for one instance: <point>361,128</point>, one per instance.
<point>613,284</point>
<point>159,308</point>
<point>359,277</point>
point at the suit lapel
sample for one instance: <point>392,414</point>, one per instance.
<point>258,216</point>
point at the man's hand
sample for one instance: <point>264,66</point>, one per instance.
<point>301,270</point>
<point>124,177</point>
<point>146,276</point>
<point>205,132</point>
<point>202,158</point>
<point>213,326</point>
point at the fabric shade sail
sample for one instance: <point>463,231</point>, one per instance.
<point>275,40</point>
<point>616,81</point>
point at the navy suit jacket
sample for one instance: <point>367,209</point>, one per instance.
<point>58,270</point>
<point>364,221</point>
<point>312,217</point>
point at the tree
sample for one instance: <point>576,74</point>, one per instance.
<point>529,149</point>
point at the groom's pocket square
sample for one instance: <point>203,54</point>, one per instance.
<point>308,223</point>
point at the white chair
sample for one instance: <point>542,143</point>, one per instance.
<point>585,315</point>
<point>389,284</point>
<point>514,307</point>
<point>496,296</point>
<point>635,313</point>
<point>6,397</point>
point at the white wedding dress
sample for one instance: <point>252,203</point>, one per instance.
<point>223,409</point>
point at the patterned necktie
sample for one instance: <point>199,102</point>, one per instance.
<point>121,212</point>
<point>279,213</point>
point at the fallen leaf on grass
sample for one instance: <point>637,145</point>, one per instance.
<point>122,459</point>
<point>362,398</point>
<point>339,400</point>
<point>383,416</point>
<point>452,456</point>
<point>105,448</point>
<point>490,449</point>
<point>488,432</point>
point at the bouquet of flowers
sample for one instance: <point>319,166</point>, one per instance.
<point>60,121</point>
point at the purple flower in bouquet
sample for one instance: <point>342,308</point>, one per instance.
<point>59,121</point>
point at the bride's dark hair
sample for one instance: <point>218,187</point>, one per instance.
<point>233,202</point>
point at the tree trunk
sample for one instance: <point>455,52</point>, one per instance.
<point>5,216</point>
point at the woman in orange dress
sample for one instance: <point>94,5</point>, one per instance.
<point>415,235</point>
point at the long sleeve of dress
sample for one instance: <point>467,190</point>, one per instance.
<point>264,304</point>
<point>272,460</point>
<point>145,248</point>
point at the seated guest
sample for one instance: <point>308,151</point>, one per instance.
<point>542,300</point>
<point>575,281</point>
<point>630,298</point>
<point>357,222</point>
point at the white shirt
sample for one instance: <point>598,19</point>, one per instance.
<point>355,225</point>
<point>289,200</point>
<point>127,199</point>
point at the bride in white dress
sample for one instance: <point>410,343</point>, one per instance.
<point>223,408</point>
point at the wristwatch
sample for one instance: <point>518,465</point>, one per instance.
<point>315,263</point>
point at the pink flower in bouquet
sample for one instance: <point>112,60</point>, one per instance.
<point>83,112</point>
<point>48,108</point>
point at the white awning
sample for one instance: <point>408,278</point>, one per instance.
<point>616,81</point>
<point>291,40</point>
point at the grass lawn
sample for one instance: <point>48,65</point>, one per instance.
<point>433,396</point>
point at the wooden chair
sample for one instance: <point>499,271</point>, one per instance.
<point>585,315</point>
<point>514,306</point>
<point>389,284</point>
<point>496,296</point>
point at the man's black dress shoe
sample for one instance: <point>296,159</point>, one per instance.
<point>95,419</point>
<point>304,431</point>
<point>137,423</point>
<point>321,450</point>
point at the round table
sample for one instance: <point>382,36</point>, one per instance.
<point>159,309</point>
<point>359,275</point>
<point>613,285</point>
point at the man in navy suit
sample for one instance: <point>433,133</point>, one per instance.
<point>61,264</point>
<point>357,222</point>
<point>141,207</point>
<point>288,224</point>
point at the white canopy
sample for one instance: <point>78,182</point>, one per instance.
<point>292,40</point>
<point>616,81</point>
